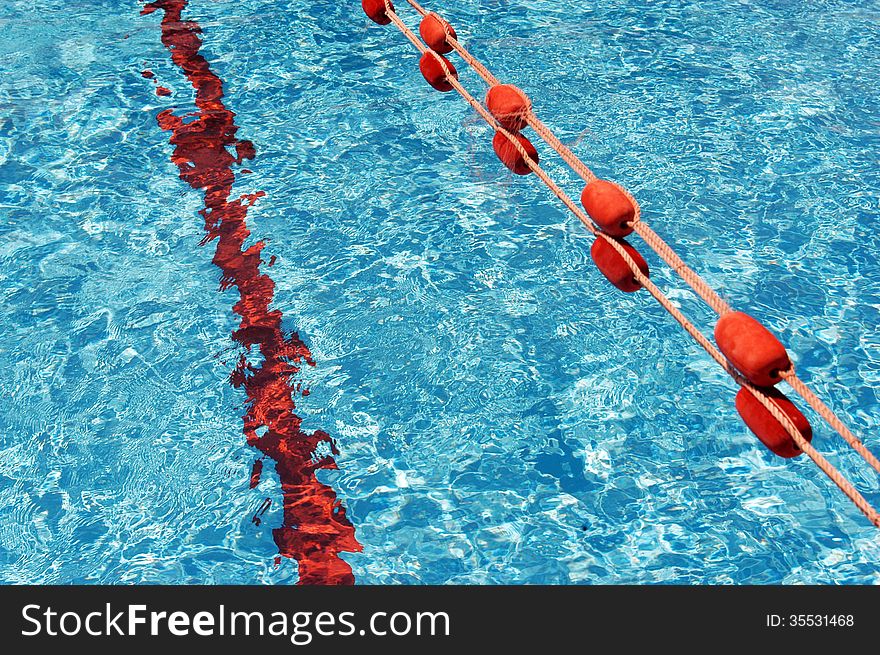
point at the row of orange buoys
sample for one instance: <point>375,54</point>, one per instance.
<point>752,349</point>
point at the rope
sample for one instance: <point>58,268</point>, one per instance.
<point>691,277</point>
<point>677,264</point>
<point>564,151</point>
<point>830,417</point>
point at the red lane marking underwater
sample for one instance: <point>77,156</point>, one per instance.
<point>315,529</point>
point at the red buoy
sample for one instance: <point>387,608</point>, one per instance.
<point>375,9</point>
<point>433,30</point>
<point>614,268</point>
<point>509,105</point>
<point>609,207</point>
<point>510,156</point>
<point>751,348</point>
<point>430,66</point>
<point>769,430</point>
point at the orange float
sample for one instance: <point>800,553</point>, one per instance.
<point>609,207</point>
<point>766,427</point>
<point>375,9</point>
<point>509,105</point>
<point>433,31</point>
<point>510,156</point>
<point>614,267</point>
<point>751,348</point>
<point>433,71</point>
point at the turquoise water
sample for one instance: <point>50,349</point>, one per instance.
<point>502,414</point>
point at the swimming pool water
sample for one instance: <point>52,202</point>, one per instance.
<point>502,414</point>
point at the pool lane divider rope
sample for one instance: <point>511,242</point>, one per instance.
<point>315,529</point>
<point>752,356</point>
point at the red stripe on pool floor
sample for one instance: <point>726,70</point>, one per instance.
<point>315,529</point>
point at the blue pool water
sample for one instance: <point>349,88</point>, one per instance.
<point>502,414</point>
